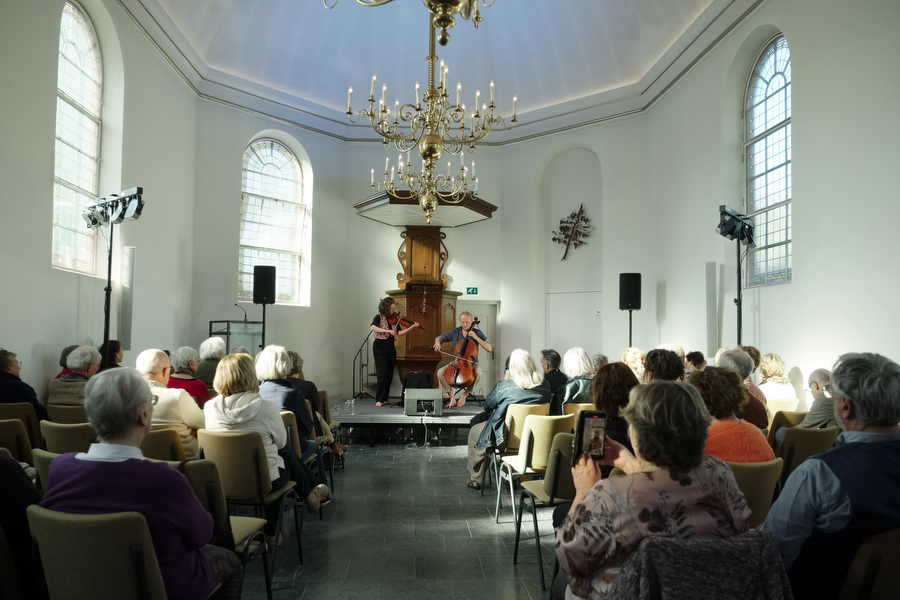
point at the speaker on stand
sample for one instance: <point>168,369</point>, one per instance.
<point>629,296</point>
<point>263,292</point>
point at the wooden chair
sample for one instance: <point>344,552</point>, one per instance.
<point>782,419</point>
<point>514,426</point>
<point>61,438</point>
<point>163,444</point>
<point>234,533</point>
<point>14,438</point>
<point>575,408</point>
<point>42,460</point>
<point>758,482</point>
<point>23,411</point>
<point>875,570</point>
<point>555,488</point>
<point>244,471</point>
<point>787,405</point>
<point>95,556</point>
<point>533,452</point>
<point>799,444</point>
<point>67,413</point>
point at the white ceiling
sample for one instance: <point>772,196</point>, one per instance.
<point>568,61</point>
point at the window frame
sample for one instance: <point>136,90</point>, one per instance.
<point>747,144</point>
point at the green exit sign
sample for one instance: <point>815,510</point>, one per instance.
<point>471,291</point>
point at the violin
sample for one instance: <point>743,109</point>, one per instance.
<point>395,318</point>
<point>461,372</point>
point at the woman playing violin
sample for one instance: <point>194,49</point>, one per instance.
<point>387,326</point>
<point>464,331</point>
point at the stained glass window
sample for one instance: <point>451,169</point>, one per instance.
<point>77,163</point>
<point>275,220</point>
<point>767,153</point>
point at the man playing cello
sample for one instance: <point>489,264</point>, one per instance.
<point>455,335</point>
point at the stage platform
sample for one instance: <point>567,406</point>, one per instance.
<point>366,414</point>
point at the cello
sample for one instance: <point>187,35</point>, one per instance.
<point>461,372</point>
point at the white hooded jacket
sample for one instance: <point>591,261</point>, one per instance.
<point>247,411</point>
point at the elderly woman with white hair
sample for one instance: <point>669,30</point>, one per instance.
<point>113,476</point>
<point>524,384</point>
<point>83,363</point>
<point>185,362</point>
<point>212,351</point>
<point>577,366</point>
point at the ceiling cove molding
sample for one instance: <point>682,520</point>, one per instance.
<point>716,22</point>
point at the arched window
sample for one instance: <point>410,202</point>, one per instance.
<point>275,221</point>
<point>77,164</point>
<point>767,152</point>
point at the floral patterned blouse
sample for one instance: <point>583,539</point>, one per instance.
<point>619,512</point>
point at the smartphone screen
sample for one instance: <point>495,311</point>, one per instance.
<point>590,434</point>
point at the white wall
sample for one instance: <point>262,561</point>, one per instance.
<point>659,179</point>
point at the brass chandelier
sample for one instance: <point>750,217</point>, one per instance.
<point>432,126</point>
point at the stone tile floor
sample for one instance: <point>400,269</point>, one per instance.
<point>403,525</point>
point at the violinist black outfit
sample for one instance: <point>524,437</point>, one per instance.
<point>385,359</point>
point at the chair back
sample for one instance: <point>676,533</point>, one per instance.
<point>290,424</point>
<point>163,444</point>
<point>317,425</point>
<point>203,475</point>
<point>559,469</point>
<point>543,428</point>
<point>241,459</point>
<point>575,408</point>
<point>758,481</point>
<point>67,413</point>
<point>325,406</point>
<point>800,444</point>
<point>61,438</point>
<point>875,570</point>
<point>515,421</point>
<point>14,438</point>
<point>42,460</point>
<point>23,411</point>
<point>7,453</point>
<point>782,419</point>
<point>96,556</point>
<point>782,405</point>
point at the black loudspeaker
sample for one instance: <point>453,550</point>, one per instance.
<point>629,291</point>
<point>263,285</point>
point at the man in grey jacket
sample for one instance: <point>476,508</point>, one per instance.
<point>821,414</point>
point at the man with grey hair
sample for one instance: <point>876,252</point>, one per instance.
<point>741,363</point>
<point>13,389</point>
<point>185,361</point>
<point>598,361</point>
<point>550,361</point>
<point>212,350</point>
<point>836,499</point>
<point>174,408</point>
<point>83,363</point>
<point>821,414</point>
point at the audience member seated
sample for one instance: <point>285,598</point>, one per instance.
<point>730,438</point>
<point>113,354</point>
<point>83,363</point>
<point>239,407</point>
<point>634,358</point>
<point>173,408</point>
<point>18,494</point>
<point>835,499</point>
<point>612,385</point>
<point>550,361</point>
<point>273,365</point>
<point>62,360</point>
<point>670,488</point>
<point>821,414</point>
<point>773,383</point>
<point>525,384</point>
<point>663,364</point>
<point>754,412</point>
<point>753,353</point>
<point>185,361</point>
<point>693,362</point>
<point>211,352</point>
<point>242,350</point>
<point>13,389</point>
<point>311,392</point>
<point>113,476</point>
<point>599,360</point>
<point>577,366</point>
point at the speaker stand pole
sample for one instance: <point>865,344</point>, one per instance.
<point>105,358</point>
<point>738,301</point>
<point>263,345</point>
<point>629,327</point>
